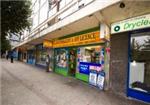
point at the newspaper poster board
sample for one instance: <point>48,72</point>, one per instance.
<point>93,78</point>
<point>100,80</point>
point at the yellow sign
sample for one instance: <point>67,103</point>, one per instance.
<point>88,38</point>
<point>47,43</point>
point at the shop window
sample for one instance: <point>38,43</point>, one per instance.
<point>30,56</point>
<point>42,57</point>
<point>90,54</point>
<point>61,58</point>
<point>139,77</point>
<point>90,58</point>
<point>41,54</point>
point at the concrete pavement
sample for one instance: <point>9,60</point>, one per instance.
<point>24,84</point>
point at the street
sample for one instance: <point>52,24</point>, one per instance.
<point>23,84</point>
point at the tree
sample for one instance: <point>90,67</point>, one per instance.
<point>5,44</point>
<point>135,49</point>
<point>14,19</point>
<point>140,52</point>
<point>146,45</point>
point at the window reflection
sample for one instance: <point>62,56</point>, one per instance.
<point>140,62</point>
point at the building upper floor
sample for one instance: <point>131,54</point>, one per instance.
<point>52,19</point>
<point>46,13</point>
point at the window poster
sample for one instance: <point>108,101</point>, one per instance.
<point>84,68</point>
<point>90,58</point>
<point>61,58</point>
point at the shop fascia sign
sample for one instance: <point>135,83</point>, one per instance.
<point>104,31</point>
<point>131,24</point>
<point>47,44</point>
<point>88,38</point>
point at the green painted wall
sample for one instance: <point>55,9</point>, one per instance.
<point>61,71</point>
<point>82,77</point>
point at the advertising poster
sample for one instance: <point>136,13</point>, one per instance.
<point>93,78</point>
<point>84,68</point>
<point>100,80</point>
<point>95,67</point>
<point>61,58</point>
<point>102,58</point>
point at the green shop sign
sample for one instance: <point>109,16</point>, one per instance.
<point>131,24</point>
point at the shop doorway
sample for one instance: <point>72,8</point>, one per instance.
<point>72,61</point>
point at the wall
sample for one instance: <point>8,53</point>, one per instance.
<point>119,63</point>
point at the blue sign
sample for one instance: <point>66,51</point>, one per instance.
<point>85,67</point>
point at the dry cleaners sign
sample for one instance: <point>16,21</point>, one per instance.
<point>131,24</point>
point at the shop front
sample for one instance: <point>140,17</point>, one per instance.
<point>48,45</point>
<point>41,54</point>
<point>135,57</point>
<point>44,51</point>
<point>31,56</point>
<point>80,55</point>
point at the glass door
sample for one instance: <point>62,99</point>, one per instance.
<point>72,61</point>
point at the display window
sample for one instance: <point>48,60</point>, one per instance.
<point>31,57</point>
<point>90,58</point>
<point>41,54</point>
<point>50,52</point>
<point>61,58</point>
<point>42,57</point>
<point>139,72</point>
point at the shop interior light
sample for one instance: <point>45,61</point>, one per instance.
<point>134,63</point>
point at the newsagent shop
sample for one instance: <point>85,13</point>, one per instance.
<point>130,57</point>
<point>82,55</point>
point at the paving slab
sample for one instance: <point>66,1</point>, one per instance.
<point>24,84</point>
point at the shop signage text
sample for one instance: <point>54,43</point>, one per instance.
<point>105,31</point>
<point>47,44</point>
<point>85,67</point>
<point>131,24</point>
<point>88,38</point>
